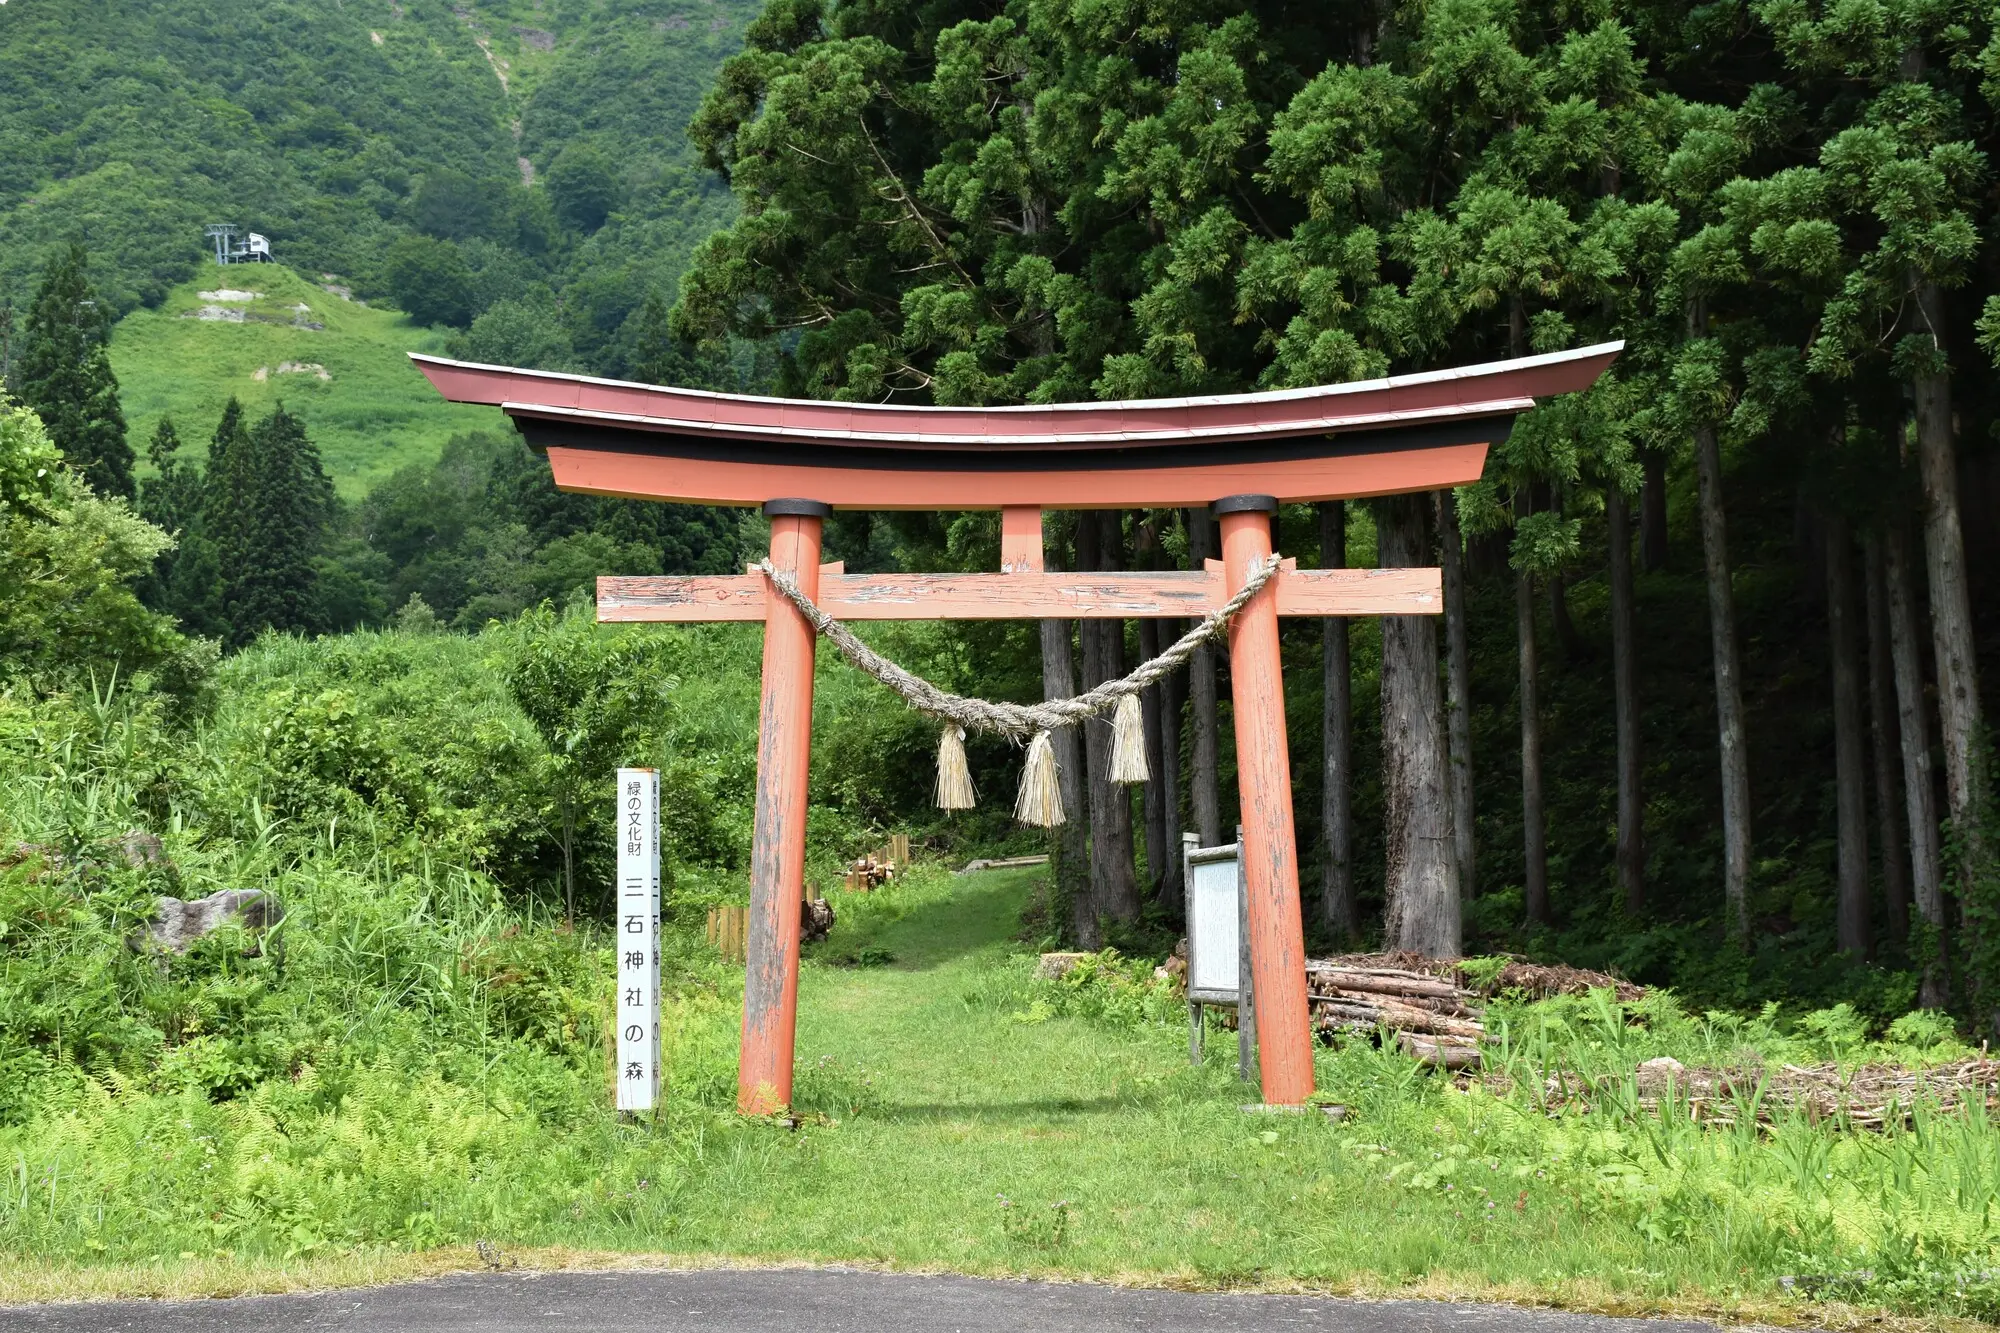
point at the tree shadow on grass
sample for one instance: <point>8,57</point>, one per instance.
<point>1028,1110</point>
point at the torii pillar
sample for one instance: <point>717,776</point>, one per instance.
<point>1270,854</point>
<point>778,842</point>
<point>1241,453</point>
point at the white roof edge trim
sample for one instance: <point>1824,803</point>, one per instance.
<point>1110,438</point>
<point>1479,371</point>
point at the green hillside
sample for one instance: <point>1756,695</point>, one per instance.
<point>335,361</point>
<point>542,142</point>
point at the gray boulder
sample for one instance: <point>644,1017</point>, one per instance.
<point>137,850</point>
<point>177,925</point>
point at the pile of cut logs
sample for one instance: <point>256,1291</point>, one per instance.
<point>1428,1003</point>
<point>1435,1019</point>
<point>864,873</point>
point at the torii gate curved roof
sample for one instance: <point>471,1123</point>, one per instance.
<point>1342,441</point>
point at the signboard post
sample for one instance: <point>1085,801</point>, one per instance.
<point>638,939</point>
<point>1218,960</point>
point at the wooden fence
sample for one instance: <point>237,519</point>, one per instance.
<point>729,931</point>
<point>729,927</point>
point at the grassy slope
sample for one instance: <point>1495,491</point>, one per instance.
<point>375,414</point>
<point>949,1122</point>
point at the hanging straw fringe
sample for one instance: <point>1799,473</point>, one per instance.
<point>954,775</point>
<point>1040,799</point>
<point>1128,743</point>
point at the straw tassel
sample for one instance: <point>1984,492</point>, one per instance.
<point>1128,743</point>
<point>1040,801</point>
<point>954,775</point>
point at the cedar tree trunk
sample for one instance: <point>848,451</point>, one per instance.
<point>1069,842</point>
<point>1843,615</point>
<point>1458,687</point>
<point>1926,875</point>
<point>1625,703</point>
<point>1204,781</point>
<point>1653,513</point>
<point>1560,619</point>
<point>1534,844</point>
<point>1735,756</point>
<point>1338,911</point>
<point>1173,695</point>
<point>1114,886</point>
<point>1951,603</point>
<point>1152,796</point>
<point>1885,745</point>
<point>1422,879</point>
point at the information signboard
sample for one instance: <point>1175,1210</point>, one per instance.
<point>1218,961</point>
<point>1213,921</point>
<point>638,939</point>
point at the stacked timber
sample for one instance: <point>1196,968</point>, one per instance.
<point>1874,1097</point>
<point>865,873</point>
<point>1534,981</point>
<point>1429,1003</point>
<point>1433,1018</point>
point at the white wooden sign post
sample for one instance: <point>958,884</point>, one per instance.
<point>1218,962</point>
<point>638,939</point>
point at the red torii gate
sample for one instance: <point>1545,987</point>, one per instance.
<point>1241,453</point>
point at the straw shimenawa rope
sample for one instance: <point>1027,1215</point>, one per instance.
<point>1039,801</point>
<point>1017,722</point>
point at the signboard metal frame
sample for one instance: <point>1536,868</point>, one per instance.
<point>1241,993</point>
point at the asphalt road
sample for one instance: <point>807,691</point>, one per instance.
<point>789,1301</point>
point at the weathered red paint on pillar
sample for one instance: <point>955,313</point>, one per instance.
<point>778,851</point>
<point>1021,539</point>
<point>1264,778</point>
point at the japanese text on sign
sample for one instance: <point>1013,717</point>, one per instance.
<point>639,938</point>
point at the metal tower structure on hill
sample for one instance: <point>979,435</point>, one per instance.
<point>251,249</point>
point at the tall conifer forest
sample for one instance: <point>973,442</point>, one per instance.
<point>1685,592</point>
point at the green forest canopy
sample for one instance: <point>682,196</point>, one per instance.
<point>1777,206</point>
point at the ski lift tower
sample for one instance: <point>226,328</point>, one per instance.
<point>252,249</point>
<point>223,236</point>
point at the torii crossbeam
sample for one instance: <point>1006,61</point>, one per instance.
<point>1241,453</point>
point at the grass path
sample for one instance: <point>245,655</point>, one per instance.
<point>950,1124</point>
